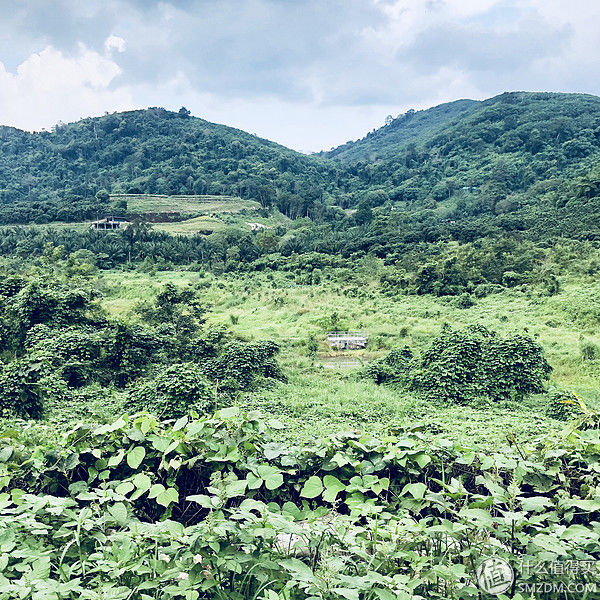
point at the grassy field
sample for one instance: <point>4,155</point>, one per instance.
<point>186,205</point>
<point>217,222</point>
<point>199,214</point>
<point>324,395</point>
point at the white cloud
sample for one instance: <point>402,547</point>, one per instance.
<point>49,87</point>
<point>114,42</point>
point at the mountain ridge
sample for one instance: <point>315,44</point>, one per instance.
<point>445,115</point>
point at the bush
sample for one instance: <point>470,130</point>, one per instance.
<point>563,406</point>
<point>511,279</point>
<point>474,362</point>
<point>26,384</point>
<point>589,350</point>
<point>463,365</point>
<point>312,346</point>
<point>465,300</point>
<point>392,368</point>
<point>240,365</point>
<point>175,391</point>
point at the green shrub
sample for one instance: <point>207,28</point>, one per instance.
<point>475,362</point>
<point>563,406</point>
<point>312,346</point>
<point>175,391</point>
<point>463,365</point>
<point>392,368</point>
<point>240,365</point>
<point>25,386</point>
<point>589,350</point>
<point>511,279</point>
<point>465,300</point>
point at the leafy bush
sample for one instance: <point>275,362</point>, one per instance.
<point>176,390</point>
<point>563,406</point>
<point>462,365</point>
<point>473,362</point>
<point>392,368</point>
<point>26,384</point>
<point>589,350</point>
<point>465,300</point>
<point>241,365</point>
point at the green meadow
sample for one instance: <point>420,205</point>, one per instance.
<point>325,393</point>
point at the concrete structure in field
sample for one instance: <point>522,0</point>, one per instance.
<point>109,224</point>
<point>257,226</point>
<point>347,340</point>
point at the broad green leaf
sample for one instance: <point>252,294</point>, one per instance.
<point>273,481</point>
<point>422,459</point>
<point>579,534</point>
<point>155,490</point>
<point>254,482</point>
<point>271,476</point>
<point>167,497</point>
<point>350,594</point>
<point>227,413</point>
<point>312,488</point>
<point>180,423</point>
<point>547,542</point>
<point>135,456</point>
<point>236,488</point>
<point>302,571</point>
<point>416,490</point>
<point>333,486</point>
<point>124,488</point>
<point>159,443</point>
<point>535,503</point>
<point>478,516</point>
<point>116,459</point>
<point>380,485</point>
<point>142,482</point>
<point>201,499</point>
<point>118,511</point>
<point>5,454</point>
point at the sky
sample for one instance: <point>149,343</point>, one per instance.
<point>310,74</point>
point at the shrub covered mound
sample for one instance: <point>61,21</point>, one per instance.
<point>465,364</point>
<point>55,341</point>
<point>177,389</point>
<point>215,508</point>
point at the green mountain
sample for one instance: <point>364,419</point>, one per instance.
<point>511,122</point>
<point>511,159</point>
<point>153,151</point>
<point>412,127</point>
<point>524,161</point>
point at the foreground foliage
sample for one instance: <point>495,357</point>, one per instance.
<point>215,508</point>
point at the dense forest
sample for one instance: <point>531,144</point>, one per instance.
<point>517,163</point>
<point>459,197</point>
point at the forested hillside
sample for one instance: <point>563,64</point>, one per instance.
<point>519,163</point>
<point>511,122</point>
<point>411,127</point>
<point>55,175</point>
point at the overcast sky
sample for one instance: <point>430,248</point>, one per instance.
<point>310,74</point>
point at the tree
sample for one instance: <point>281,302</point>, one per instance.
<point>364,214</point>
<point>268,241</point>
